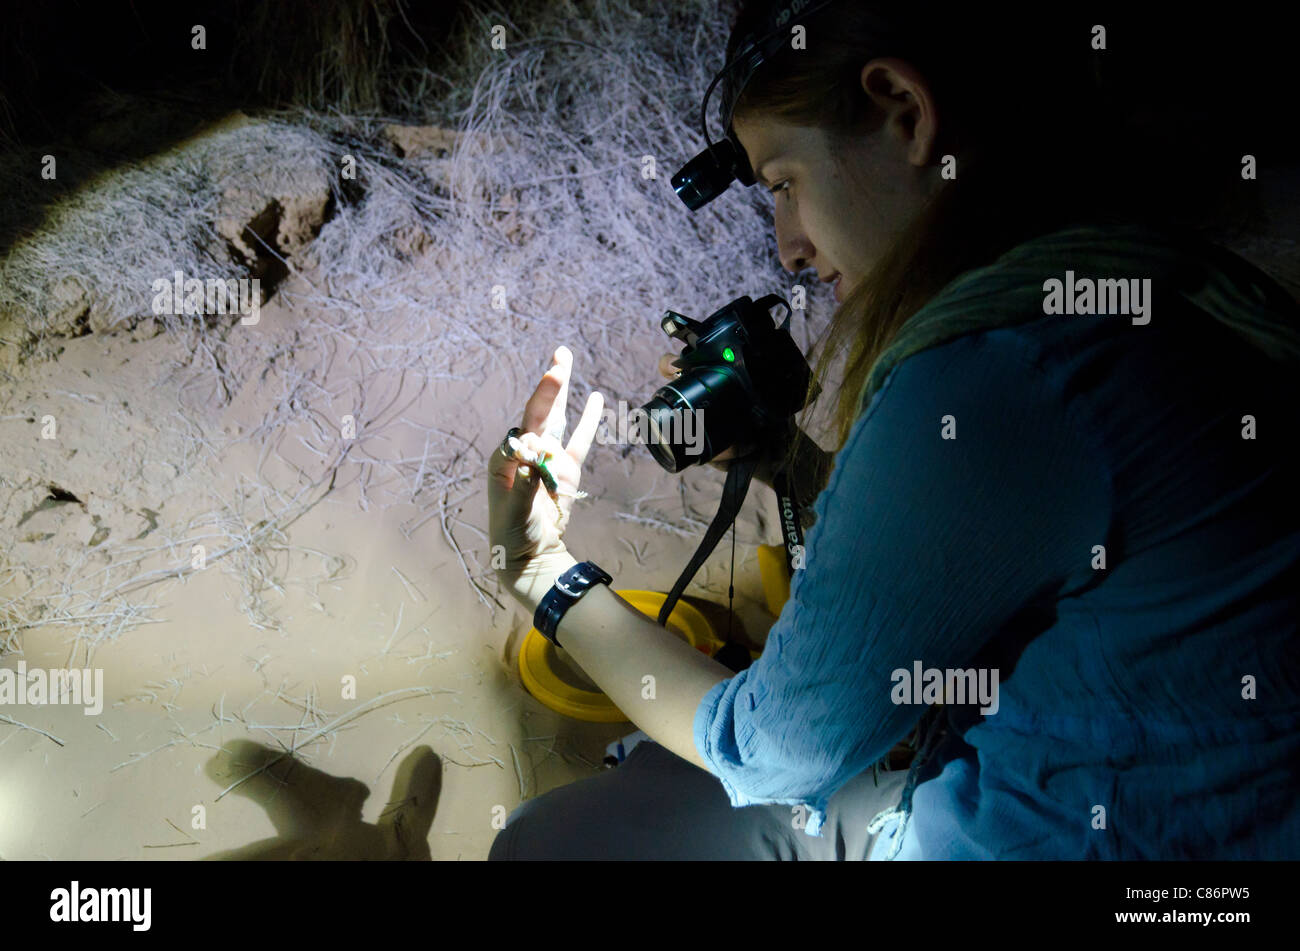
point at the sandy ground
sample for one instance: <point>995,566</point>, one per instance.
<point>440,738</point>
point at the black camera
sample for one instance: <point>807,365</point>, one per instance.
<point>742,380</point>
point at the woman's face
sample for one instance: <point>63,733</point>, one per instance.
<point>839,201</point>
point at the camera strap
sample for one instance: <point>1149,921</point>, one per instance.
<point>739,475</point>
<point>791,529</point>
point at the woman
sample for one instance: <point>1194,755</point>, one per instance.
<point>1063,467</point>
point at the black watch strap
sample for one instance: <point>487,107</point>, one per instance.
<point>567,590</point>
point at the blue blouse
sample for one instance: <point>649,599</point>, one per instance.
<point>1073,503</point>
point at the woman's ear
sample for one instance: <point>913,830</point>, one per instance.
<point>904,98</point>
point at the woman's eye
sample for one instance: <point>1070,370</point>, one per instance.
<point>779,188</point>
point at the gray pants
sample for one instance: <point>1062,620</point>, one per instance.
<point>658,806</point>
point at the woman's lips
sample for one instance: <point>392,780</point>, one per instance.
<point>839,280</point>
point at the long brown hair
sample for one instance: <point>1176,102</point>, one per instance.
<point>1033,124</point>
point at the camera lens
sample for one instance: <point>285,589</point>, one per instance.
<point>699,415</point>
<point>656,411</point>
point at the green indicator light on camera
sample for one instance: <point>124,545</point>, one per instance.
<point>729,355</point>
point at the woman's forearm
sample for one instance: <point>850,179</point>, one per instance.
<point>651,674</point>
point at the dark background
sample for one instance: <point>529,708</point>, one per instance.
<point>1227,65</point>
<point>100,82</point>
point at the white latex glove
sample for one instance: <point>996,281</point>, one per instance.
<point>523,519</point>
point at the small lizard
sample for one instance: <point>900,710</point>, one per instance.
<point>528,458</point>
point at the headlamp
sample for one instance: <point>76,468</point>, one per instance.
<point>710,173</point>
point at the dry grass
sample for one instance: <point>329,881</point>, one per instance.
<point>541,193</point>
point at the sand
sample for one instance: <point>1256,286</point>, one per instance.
<point>228,673</point>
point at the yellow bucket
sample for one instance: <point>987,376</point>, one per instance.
<point>775,575</point>
<point>538,663</point>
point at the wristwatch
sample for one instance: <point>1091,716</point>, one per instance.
<point>568,588</point>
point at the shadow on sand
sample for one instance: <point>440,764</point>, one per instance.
<point>318,816</point>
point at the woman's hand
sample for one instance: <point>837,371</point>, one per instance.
<point>525,526</point>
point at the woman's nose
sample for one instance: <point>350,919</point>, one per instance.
<point>793,247</point>
<point>793,264</point>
